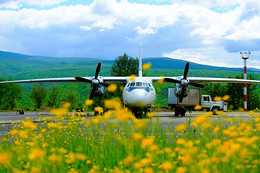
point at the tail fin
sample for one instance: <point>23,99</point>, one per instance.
<point>140,72</point>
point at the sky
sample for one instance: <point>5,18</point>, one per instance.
<point>202,31</point>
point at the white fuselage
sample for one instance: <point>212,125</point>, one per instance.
<point>139,93</point>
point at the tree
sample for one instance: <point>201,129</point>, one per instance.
<point>235,91</point>
<point>52,97</point>
<point>38,94</point>
<point>215,89</point>
<point>71,97</point>
<point>9,94</point>
<point>124,66</point>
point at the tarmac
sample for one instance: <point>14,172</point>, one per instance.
<point>8,119</point>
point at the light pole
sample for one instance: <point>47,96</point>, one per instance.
<point>245,56</point>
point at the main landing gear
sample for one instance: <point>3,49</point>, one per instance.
<point>140,112</point>
<point>179,110</point>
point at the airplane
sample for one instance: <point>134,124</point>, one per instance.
<point>139,94</point>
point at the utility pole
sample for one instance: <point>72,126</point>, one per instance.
<point>245,56</point>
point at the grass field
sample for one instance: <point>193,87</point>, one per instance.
<point>69,143</point>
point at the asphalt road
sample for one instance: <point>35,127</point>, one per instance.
<point>7,117</point>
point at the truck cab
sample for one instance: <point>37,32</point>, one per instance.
<point>209,104</point>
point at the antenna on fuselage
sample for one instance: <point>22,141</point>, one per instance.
<point>140,72</point>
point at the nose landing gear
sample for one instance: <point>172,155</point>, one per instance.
<point>140,112</point>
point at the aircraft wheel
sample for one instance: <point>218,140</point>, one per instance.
<point>177,111</point>
<point>137,113</point>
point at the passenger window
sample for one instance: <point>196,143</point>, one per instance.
<point>138,83</point>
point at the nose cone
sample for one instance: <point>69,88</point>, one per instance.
<point>139,98</point>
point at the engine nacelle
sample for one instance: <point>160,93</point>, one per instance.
<point>177,91</point>
<point>99,90</point>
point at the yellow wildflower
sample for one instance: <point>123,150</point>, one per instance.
<point>147,66</point>
<point>132,77</point>
<point>95,121</point>
<point>60,112</point>
<point>147,142</point>
<point>180,127</point>
<point>148,170</point>
<point>23,134</point>
<point>13,132</point>
<point>112,88</point>
<point>138,136</point>
<point>150,114</point>
<point>201,119</point>
<point>89,102</point>
<point>226,97</point>
<point>4,158</point>
<point>29,125</point>
<point>128,160</point>
<point>98,109</point>
<point>81,156</point>
<point>160,81</point>
<point>56,159</point>
<point>146,161</point>
<point>198,107</point>
<point>167,166</point>
<point>140,124</point>
<point>217,98</point>
<point>216,129</point>
<point>36,154</point>
<point>181,170</point>
<point>112,104</point>
<point>206,125</point>
<point>181,141</point>
<point>35,170</point>
<point>63,150</point>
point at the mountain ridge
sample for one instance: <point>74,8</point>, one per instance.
<point>157,62</point>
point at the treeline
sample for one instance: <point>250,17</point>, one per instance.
<point>236,93</point>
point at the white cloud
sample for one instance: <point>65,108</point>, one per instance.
<point>17,4</point>
<point>248,29</point>
<point>197,20</point>
<point>211,26</point>
<point>216,56</point>
<point>10,4</point>
<point>86,28</point>
<point>145,30</point>
<point>105,23</point>
<point>43,2</point>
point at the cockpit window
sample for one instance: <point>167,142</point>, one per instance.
<point>138,83</point>
<point>132,84</point>
<point>145,84</point>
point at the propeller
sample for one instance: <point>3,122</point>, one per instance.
<point>184,82</point>
<point>95,83</point>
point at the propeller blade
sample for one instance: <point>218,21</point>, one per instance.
<point>98,70</point>
<point>186,70</point>
<point>104,84</point>
<point>197,85</point>
<point>171,80</point>
<point>182,95</point>
<point>81,79</point>
<point>92,93</point>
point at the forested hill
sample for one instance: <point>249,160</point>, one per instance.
<point>169,63</point>
<point>18,65</point>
